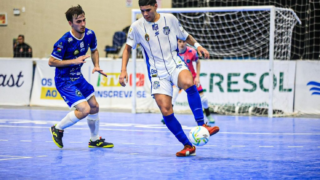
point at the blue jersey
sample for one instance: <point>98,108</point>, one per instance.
<point>69,47</point>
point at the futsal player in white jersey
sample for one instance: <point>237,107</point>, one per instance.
<point>157,34</point>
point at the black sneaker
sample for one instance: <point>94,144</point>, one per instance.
<point>100,143</point>
<point>57,136</point>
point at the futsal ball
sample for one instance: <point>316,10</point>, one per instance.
<point>199,136</point>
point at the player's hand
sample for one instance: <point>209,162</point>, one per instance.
<point>197,81</point>
<point>204,51</point>
<point>81,59</point>
<point>100,71</point>
<point>123,78</point>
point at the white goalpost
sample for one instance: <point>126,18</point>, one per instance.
<point>244,32</point>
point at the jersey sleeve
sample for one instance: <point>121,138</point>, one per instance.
<point>132,37</point>
<point>195,55</point>
<point>59,49</point>
<point>181,33</point>
<point>93,42</point>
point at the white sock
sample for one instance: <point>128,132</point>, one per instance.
<point>204,101</point>
<point>93,123</point>
<point>69,120</point>
<point>175,94</point>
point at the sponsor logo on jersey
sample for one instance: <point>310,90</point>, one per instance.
<point>70,39</point>
<point>59,49</point>
<point>155,27</point>
<point>60,45</point>
<point>147,37</point>
<point>166,30</point>
<point>154,73</point>
<point>156,84</point>
<point>76,52</point>
<point>130,30</point>
<point>179,66</point>
<point>81,44</point>
<point>78,93</point>
<point>157,33</point>
<point>89,32</point>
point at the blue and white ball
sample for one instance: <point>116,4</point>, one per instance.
<point>199,136</point>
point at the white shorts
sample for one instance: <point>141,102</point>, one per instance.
<point>164,85</point>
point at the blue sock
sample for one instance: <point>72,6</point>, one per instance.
<point>175,127</point>
<point>195,104</point>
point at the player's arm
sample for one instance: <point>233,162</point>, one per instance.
<point>190,40</point>
<point>197,79</point>
<point>53,62</point>
<point>125,59</point>
<point>95,61</point>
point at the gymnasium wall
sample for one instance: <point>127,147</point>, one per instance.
<point>44,22</point>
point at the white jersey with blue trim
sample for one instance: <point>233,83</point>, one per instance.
<point>159,43</point>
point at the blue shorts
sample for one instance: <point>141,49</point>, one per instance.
<point>74,92</point>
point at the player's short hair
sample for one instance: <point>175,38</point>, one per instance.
<point>75,10</point>
<point>20,35</point>
<point>147,2</point>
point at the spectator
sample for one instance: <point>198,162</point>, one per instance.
<point>22,49</point>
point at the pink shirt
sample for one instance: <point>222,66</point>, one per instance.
<point>189,56</point>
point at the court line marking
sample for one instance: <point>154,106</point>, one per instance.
<point>318,146</point>
<point>266,146</point>
<point>3,140</point>
<point>42,156</point>
<point>238,146</point>
<point>48,141</point>
<point>295,146</point>
<point>75,142</point>
<point>143,130</point>
<point>13,157</point>
<point>128,143</point>
<point>25,140</point>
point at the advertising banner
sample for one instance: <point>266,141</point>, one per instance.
<point>15,81</point>
<point>307,94</point>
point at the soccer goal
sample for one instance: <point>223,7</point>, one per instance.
<point>241,34</point>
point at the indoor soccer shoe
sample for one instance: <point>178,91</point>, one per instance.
<point>210,119</point>
<point>187,151</point>
<point>57,136</point>
<point>212,130</point>
<point>100,143</point>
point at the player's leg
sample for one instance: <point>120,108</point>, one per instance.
<point>161,89</point>
<point>205,104</point>
<point>93,123</point>
<point>175,94</point>
<point>185,81</point>
<point>164,103</point>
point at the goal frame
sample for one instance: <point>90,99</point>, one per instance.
<point>272,10</point>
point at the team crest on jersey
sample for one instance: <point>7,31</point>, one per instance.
<point>147,37</point>
<point>179,66</point>
<point>155,27</point>
<point>78,93</point>
<point>76,52</point>
<point>156,84</point>
<point>81,44</point>
<point>166,30</point>
<point>70,39</point>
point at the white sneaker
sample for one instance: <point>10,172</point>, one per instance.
<point>210,119</point>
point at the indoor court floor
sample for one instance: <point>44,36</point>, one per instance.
<point>245,148</point>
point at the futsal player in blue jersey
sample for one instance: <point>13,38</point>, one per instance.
<point>68,56</point>
<point>157,34</point>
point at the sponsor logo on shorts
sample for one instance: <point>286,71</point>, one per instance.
<point>78,93</point>
<point>156,84</point>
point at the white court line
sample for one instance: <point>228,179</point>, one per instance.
<point>42,156</point>
<point>295,146</point>
<point>49,141</point>
<point>266,146</point>
<point>134,153</point>
<point>144,130</point>
<point>210,145</point>
<point>3,140</point>
<point>128,143</point>
<point>155,144</point>
<point>25,140</point>
<point>318,146</point>
<point>238,146</point>
<point>13,157</point>
<point>76,142</point>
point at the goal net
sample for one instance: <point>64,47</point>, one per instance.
<point>245,41</point>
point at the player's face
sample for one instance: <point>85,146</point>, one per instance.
<point>149,12</point>
<point>78,23</point>
<point>182,45</point>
